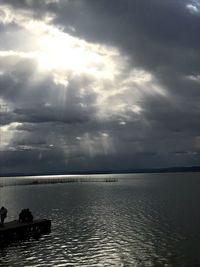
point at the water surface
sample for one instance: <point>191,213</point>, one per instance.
<point>141,220</point>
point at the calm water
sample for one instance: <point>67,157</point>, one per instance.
<point>141,220</point>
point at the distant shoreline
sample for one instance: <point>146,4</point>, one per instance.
<point>109,172</point>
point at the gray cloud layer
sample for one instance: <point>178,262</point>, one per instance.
<point>60,129</point>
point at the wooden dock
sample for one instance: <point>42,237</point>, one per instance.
<point>14,231</point>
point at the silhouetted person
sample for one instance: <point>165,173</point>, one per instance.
<point>25,216</point>
<point>3,214</point>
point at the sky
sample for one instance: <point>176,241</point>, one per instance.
<point>99,84</point>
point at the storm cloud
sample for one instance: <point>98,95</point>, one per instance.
<point>94,85</point>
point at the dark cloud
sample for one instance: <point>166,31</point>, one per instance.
<point>22,161</point>
<point>38,8</point>
<point>159,37</point>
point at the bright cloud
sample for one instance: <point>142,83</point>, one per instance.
<point>195,78</point>
<point>194,6</point>
<point>193,9</point>
<point>63,56</point>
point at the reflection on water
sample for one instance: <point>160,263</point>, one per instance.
<point>143,220</point>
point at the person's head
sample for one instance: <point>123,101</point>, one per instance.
<point>2,208</point>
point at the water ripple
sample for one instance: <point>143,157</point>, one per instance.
<point>102,225</point>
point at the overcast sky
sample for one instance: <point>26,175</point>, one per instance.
<point>99,84</point>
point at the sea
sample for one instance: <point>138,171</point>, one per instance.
<point>138,220</point>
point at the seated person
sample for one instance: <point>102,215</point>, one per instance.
<point>25,216</point>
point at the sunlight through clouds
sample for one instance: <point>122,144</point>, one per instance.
<point>57,51</point>
<point>7,133</point>
<point>63,52</point>
<point>69,93</point>
<point>98,81</point>
<point>66,57</point>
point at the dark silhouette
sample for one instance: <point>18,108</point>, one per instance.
<point>3,214</point>
<point>15,231</point>
<point>25,216</point>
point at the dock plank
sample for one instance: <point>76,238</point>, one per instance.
<point>15,230</point>
<point>16,224</point>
